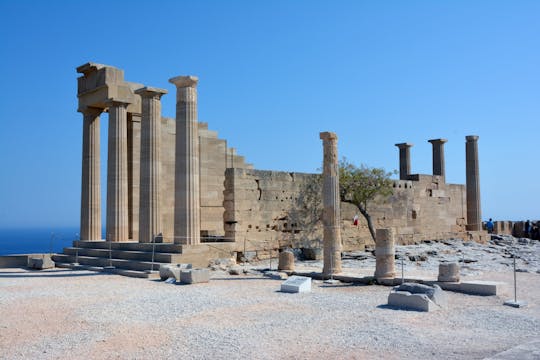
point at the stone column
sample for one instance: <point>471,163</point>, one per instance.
<point>150,207</point>
<point>404,160</point>
<point>438,156</point>
<point>117,177</point>
<point>474,212</point>
<point>186,188</point>
<point>384,255</point>
<point>331,203</point>
<point>91,185</point>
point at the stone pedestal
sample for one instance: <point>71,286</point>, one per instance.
<point>286,261</point>
<point>187,197</point>
<point>331,203</point>
<point>150,216</point>
<point>384,255</point>
<point>404,160</point>
<point>474,212</point>
<point>438,156</point>
<point>448,272</point>
<point>91,183</point>
<point>117,176</point>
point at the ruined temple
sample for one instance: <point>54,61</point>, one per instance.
<point>173,184</point>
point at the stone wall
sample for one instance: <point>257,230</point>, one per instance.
<point>271,209</point>
<point>215,157</point>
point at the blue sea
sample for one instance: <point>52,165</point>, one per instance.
<point>36,240</point>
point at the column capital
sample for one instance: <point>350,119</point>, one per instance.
<point>404,145</point>
<point>327,135</point>
<point>88,110</point>
<point>151,92</point>
<point>184,81</point>
<point>438,141</point>
<point>471,138</point>
<point>113,102</point>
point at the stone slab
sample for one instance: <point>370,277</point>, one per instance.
<point>516,304</point>
<point>296,284</point>
<point>195,276</point>
<point>485,288</point>
<point>167,271</point>
<point>408,301</point>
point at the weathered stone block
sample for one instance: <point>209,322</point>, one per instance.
<point>448,272</point>
<point>417,297</point>
<point>172,270</point>
<point>286,260</point>
<point>195,276</point>
<point>296,284</point>
<point>41,263</point>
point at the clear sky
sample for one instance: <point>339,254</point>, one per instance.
<point>272,75</point>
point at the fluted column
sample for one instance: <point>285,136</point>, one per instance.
<point>474,211</point>
<point>331,203</point>
<point>186,189</point>
<point>117,177</point>
<point>91,185</point>
<point>404,160</point>
<point>438,156</point>
<point>150,211</point>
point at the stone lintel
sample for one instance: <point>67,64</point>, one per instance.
<point>184,81</point>
<point>471,138</point>
<point>89,109</point>
<point>404,145</point>
<point>150,91</point>
<point>438,141</point>
<point>90,67</point>
<point>327,135</point>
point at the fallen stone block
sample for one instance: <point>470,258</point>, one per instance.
<point>195,276</point>
<point>41,263</point>
<point>276,275</point>
<point>167,271</point>
<point>485,288</point>
<point>296,284</point>
<point>406,300</point>
<point>418,297</point>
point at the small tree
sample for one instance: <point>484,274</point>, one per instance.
<point>361,185</point>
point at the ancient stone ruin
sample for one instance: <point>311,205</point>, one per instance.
<point>176,189</point>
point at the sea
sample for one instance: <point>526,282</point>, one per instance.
<point>36,240</point>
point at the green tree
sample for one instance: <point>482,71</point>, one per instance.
<point>361,185</point>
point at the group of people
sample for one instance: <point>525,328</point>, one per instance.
<point>531,229</point>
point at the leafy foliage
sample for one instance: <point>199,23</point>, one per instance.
<point>361,185</point>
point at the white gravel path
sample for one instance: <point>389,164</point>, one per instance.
<point>83,315</point>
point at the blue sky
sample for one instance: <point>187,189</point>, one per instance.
<point>273,74</point>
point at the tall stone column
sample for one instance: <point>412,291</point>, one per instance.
<point>150,211</point>
<point>404,160</point>
<point>187,227</point>
<point>117,176</point>
<point>438,156</point>
<point>91,185</point>
<point>474,212</point>
<point>331,203</point>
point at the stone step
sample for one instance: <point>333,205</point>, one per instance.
<point>129,246</point>
<point>124,254</point>
<point>103,262</point>
<point>123,272</point>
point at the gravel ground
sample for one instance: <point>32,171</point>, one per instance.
<point>85,315</point>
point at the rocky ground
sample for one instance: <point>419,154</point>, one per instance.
<point>83,315</point>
